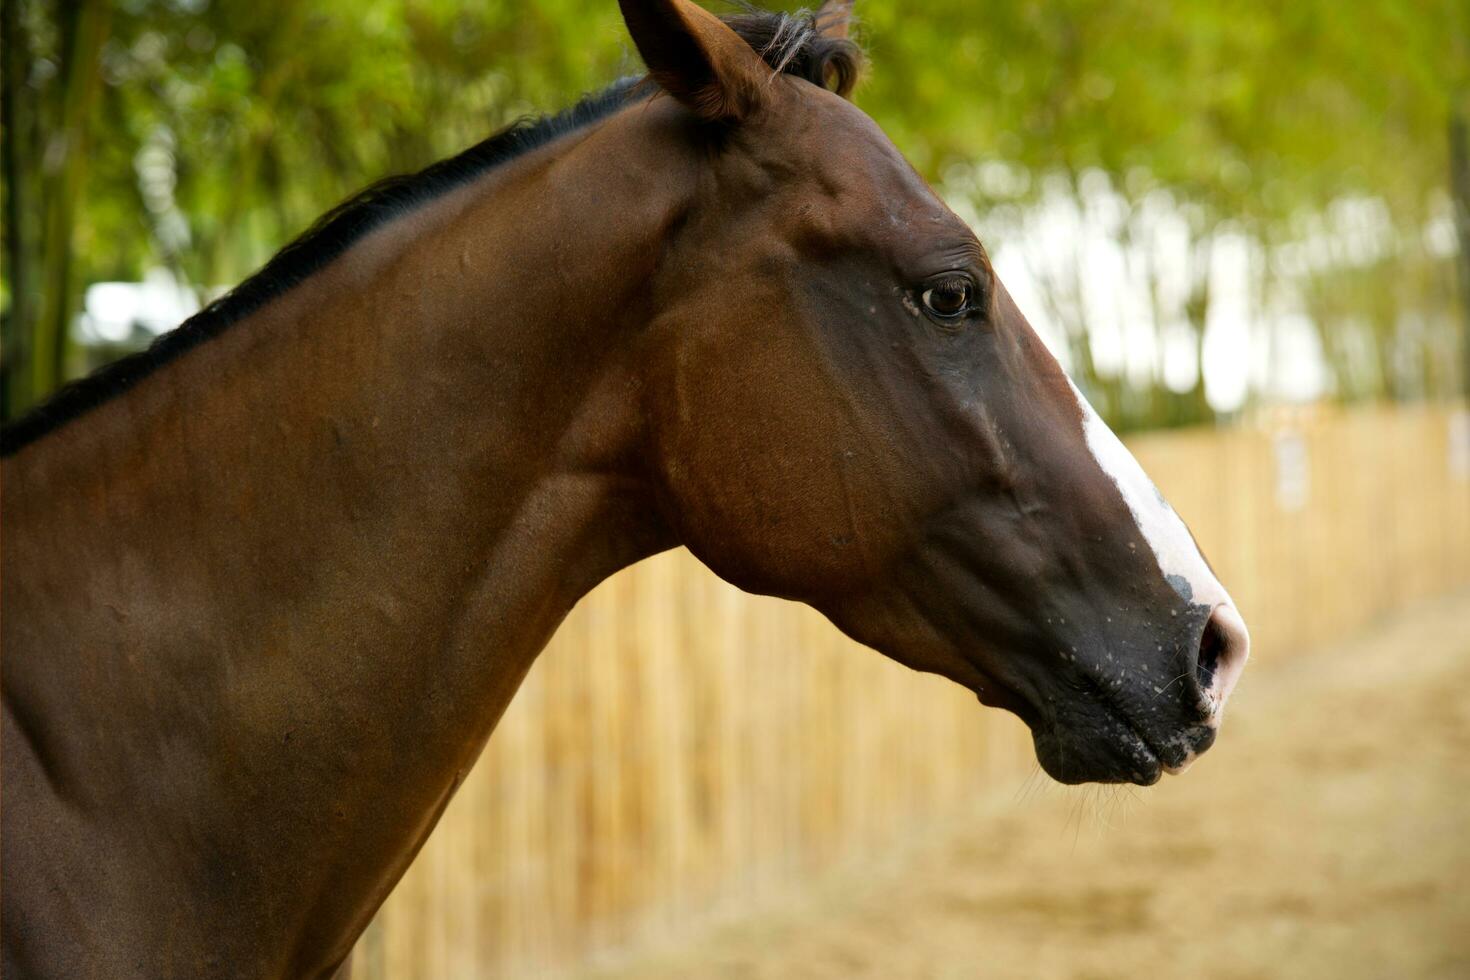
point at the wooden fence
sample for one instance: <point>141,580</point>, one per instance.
<point>683,750</point>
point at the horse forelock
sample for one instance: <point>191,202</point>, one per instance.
<point>795,44</point>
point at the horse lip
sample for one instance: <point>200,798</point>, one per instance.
<point>997,694</point>
<point>1155,749</point>
<point>1141,741</point>
<point>1147,743</point>
<point>1150,756</point>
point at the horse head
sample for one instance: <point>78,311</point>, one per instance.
<point>847,408</point>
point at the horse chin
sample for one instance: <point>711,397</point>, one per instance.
<point>1109,753</point>
<point>1106,750</point>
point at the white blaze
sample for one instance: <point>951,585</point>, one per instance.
<point>1173,547</point>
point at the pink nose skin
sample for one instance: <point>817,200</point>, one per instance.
<point>1223,650</point>
<point>1224,647</point>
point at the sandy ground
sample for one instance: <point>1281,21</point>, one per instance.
<point>1326,835</point>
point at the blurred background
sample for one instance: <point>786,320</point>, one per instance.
<point>1247,221</point>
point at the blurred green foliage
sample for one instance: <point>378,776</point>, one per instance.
<point>1254,107</point>
<point>201,135</point>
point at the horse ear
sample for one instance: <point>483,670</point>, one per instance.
<point>834,19</point>
<point>696,58</point>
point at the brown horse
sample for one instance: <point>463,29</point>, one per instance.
<point>268,586</point>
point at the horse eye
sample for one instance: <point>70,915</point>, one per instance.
<point>947,300</point>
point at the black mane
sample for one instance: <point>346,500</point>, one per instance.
<point>790,44</point>
<point>331,235</point>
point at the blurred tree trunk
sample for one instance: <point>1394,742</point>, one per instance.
<point>16,134</point>
<point>1460,191</point>
<point>63,167</point>
<point>254,144</point>
<point>1195,407</point>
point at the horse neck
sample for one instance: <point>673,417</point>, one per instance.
<point>283,588</point>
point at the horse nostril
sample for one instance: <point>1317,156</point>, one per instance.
<point>1211,645</point>
<point>1223,648</point>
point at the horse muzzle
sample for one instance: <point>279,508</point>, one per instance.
<point>1128,725</point>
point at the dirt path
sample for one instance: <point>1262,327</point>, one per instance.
<point>1327,835</point>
